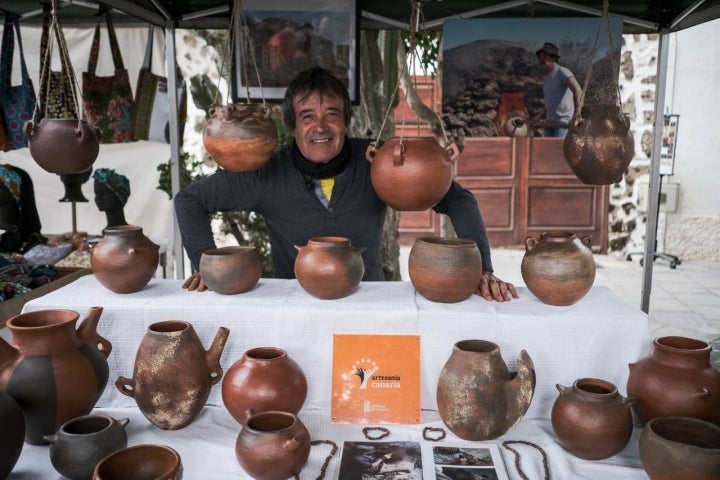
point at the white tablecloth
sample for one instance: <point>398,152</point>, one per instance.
<point>596,337</point>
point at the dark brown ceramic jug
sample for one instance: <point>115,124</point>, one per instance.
<point>599,144</point>
<point>558,268</point>
<point>478,398</point>
<point>62,145</point>
<point>231,270</point>
<point>240,138</point>
<point>264,378</point>
<point>53,370</point>
<point>591,419</point>
<point>411,173</point>
<point>272,445</point>
<point>676,379</point>
<point>125,259</point>
<point>173,374</point>
<point>329,267</point>
<point>13,433</point>
<point>445,269</point>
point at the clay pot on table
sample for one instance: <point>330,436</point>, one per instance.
<point>478,398</point>
<point>329,267</point>
<point>240,138</point>
<point>676,379</point>
<point>599,144</point>
<point>80,443</point>
<point>673,448</point>
<point>231,270</point>
<point>62,145</point>
<point>445,269</point>
<point>53,370</point>
<point>591,419</point>
<point>264,378</point>
<point>558,268</point>
<point>13,433</point>
<point>411,173</point>
<point>124,260</point>
<point>273,445</point>
<point>140,462</point>
<point>173,374</point>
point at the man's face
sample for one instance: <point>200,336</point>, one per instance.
<point>547,61</point>
<point>319,126</point>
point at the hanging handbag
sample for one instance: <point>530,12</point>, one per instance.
<point>108,100</point>
<point>55,91</point>
<point>151,114</point>
<point>17,101</point>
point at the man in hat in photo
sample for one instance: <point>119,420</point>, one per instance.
<point>561,91</point>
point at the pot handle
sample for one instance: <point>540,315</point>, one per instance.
<point>453,151</point>
<point>29,129</point>
<point>587,240</point>
<point>126,386</point>
<point>561,388</point>
<point>399,154</point>
<point>530,243</point>
<point>294,443</point>
<point>370,151</point>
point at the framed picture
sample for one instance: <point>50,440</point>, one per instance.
<point>273,41</point>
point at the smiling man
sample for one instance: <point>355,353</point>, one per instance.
<point>317,186</point>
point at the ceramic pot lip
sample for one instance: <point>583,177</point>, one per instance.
<point>329,239</point>
<point>265,353</point>
<point>599,386</point>
<point>558,235</point>
<point>283,421</point>
<point>228,250</point>
<point>665,428</point>
<point>151,451</point>
<point>676,343</point>
<point>120,229</point>
<point>450,242</point>
<point>476,346</point>
<point>41,319</point>
<point>169,327</point>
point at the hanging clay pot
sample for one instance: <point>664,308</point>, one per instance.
<point>232,269</point>
<point>329,267</point>
<point>477,397</point>
<point>13,432</point>
<point>444,269</point>
<point>54,371</point>
<point>240,138</point>
<point>591,419</point>
<point>124,260</point>
<point>140,462</point>
<point>411,174</point>
<point>599,144</point>
<point>673,448</point>
<point>558,268</point>
<point>272,445</point>
<point>264,378</point>
<point>173,374</point>
<point>62,145</point>
<point>80,443</point>
<point>676,379</point>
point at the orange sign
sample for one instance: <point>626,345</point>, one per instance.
<point>376,379</point>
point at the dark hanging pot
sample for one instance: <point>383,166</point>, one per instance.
<point>329,267</point>
<point>676,379</point>
<point>240,138</point>
<point>13,432</point>
<point>411,174</point>
<point>599,144</point>
<point>62,145</point>
<point>54,371</point>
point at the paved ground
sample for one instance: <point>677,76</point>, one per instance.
<point>683,301</point>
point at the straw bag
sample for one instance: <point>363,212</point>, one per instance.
<point>108,100</point>
<point>17,101</point>
<point>151,114</point>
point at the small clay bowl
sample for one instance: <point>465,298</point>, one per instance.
<point>231,270</point>
<point>141,462</point>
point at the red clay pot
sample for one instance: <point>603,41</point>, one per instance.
<point>329,267</point>
<point>231,270</point>
<point>125,259</point>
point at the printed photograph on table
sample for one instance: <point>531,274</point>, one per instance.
<point>380,461</point>
<point>482,462</point>
<point>274,41</point>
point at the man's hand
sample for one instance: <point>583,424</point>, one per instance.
<point>492,288</point>
<point>195,282</point>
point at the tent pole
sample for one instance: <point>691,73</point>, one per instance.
<point>177,253</point>
<point>654,194</point>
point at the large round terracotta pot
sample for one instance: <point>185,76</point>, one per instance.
<point>477,396</point>
<point>140,462</point>
<point>558,268</point>
<point>62,145</point>
<point>445,269</point>
<point>673,448</point>
<point>411,173</point>
<point>53,370</point>
<point>273,445</point>
<point>676,379</point>
<point>591,419</point>
<point>13,432</point>
<point>599,144</point>
<point>329,267</point>
<point>240,138</point>
<point>80,443</point>
<point>124,260</point>
<point>264,378</point>
<point>231,270</point>
<point>173,373</point>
